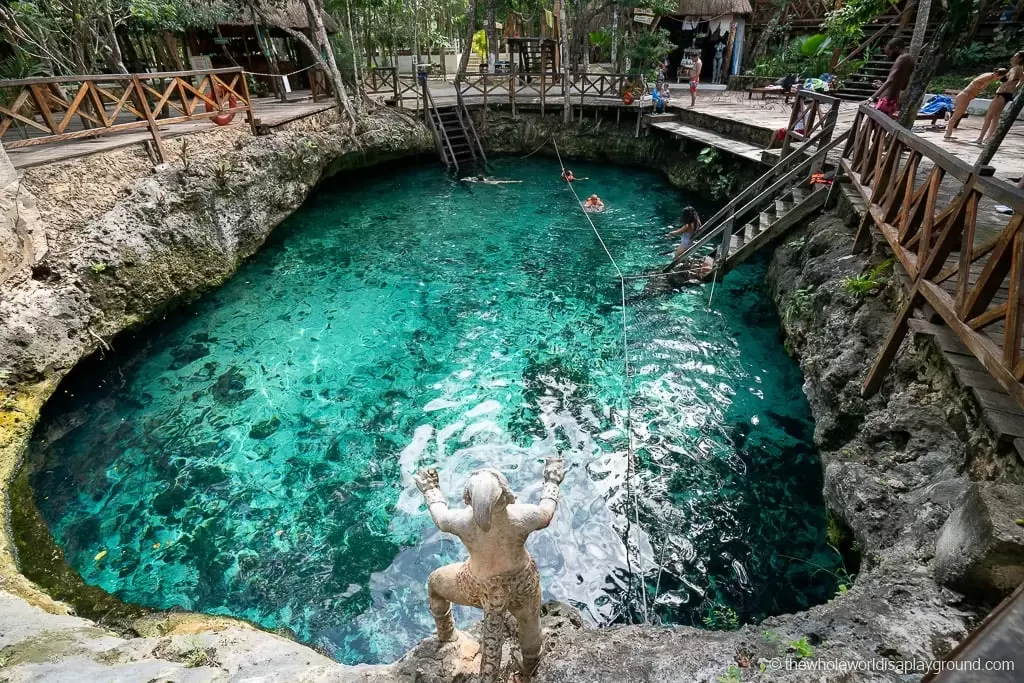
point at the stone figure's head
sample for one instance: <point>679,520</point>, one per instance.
<point>487,492</point>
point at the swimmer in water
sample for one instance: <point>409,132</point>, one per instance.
<point>593,204</point>
<point>484,180</point>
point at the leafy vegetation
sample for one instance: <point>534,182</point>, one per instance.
<point>865,284</point>
<point>721,618</point>
<point>801,648</point>
<point>732,675</point>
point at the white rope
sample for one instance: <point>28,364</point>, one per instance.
<point>630,460</point>
<point>257,73</point>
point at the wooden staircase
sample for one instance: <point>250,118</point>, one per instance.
<point>766,209</point>
<point>772,222</point>
<point>457,142</point>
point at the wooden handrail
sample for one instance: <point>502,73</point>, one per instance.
<point>874,36</point>
<point>933,230</point>
<point>47,106</point>
<point>43,80</point>
<point>728,213</point>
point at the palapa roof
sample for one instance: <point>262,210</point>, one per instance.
<point>291,14</point>
<point>712,8</point>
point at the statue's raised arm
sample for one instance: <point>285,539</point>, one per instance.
<point>534,517</point>
<point>429,484</point>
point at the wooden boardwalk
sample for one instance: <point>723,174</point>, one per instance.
<point>938,216</point>
<point>270,112</point>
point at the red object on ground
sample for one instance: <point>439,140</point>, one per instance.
<point>780,135</point>
<point>223,119</point>
<point>627,97</point>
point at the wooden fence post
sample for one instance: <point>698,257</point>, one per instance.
<point>250,115</point>
<point>161,154</point>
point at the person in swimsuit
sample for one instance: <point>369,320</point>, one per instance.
<point>695,79</point>
<point>593,204</point>
<point>488,181</point>
<point>887,97</point>
<point>1004,95</point>
<point>690,225</point>
<point>963,99</point>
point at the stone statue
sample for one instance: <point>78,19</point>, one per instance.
<point>500,576</point>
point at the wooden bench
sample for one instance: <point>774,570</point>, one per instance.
<point>765,92</point>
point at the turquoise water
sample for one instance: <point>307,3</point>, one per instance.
<point>252,454</point>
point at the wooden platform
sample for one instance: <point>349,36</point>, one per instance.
<point>706,137</point>
<point>999,411</point>
<point>270,111</point>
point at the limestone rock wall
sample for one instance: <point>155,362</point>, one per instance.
<point>104,243</point>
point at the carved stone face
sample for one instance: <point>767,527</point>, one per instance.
<point>487,492</point>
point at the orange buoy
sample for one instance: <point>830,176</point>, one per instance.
<point>627,97</point>
<point>223,119</point>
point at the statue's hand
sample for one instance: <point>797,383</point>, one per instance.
<point>554,470</point>
<point>427,479</point>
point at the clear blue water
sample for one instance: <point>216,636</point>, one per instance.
<point>252,454</point>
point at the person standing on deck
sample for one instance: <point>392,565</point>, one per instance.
<point>695,79</point>
<point>1004,95</point>
<point>963,99</point>
<point>887,97</point>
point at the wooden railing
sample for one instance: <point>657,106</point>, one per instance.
<point>793,169</point>
<point>963,258</point>
<point>812,113</point>
<point>45,110</point>
<point>797,164</point>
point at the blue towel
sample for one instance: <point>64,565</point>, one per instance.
<point>938,105</point>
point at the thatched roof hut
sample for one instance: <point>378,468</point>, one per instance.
<point>292,15</point>
<point>712,8</point>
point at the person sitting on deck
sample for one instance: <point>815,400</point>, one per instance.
<point>657,98</point>
<point>593,204</point>
<point>690,225</point>
<point>964,97</point>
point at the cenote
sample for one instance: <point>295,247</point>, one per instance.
<point>252,454</point>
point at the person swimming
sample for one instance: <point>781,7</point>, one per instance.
<point>567,175</point>
<point>593,204</point>
<point>484,180</point>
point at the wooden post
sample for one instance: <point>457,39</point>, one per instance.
<point>250,114</point>
<point>892,344</point>
<point>394,85</point>
<point>161,154</point>
<point>543,84</point>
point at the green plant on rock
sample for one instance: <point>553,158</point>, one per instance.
<point>800,648</point>
<point>721,618</point>
<point>732,675</point>
<point>98,268</point>
<point>861,286</point>
<point>799,304</point>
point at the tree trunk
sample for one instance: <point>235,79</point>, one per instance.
<point>924,8</point>
<point>761,47</point>
<point>492,39</point>
<point>615,35</point>
<point>352,47</point>
<point>470,30</point>
<point>115,61</point>
<point>563,40</point>
<point>1006,121</point>
<point>323,53</point>
<point>415,38</point>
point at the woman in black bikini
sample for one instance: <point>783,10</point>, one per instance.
<point>1004,95</point>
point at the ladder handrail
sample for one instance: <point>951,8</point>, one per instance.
<point>432,111</point>
<point>461,109</point>
<point>752,204</point>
